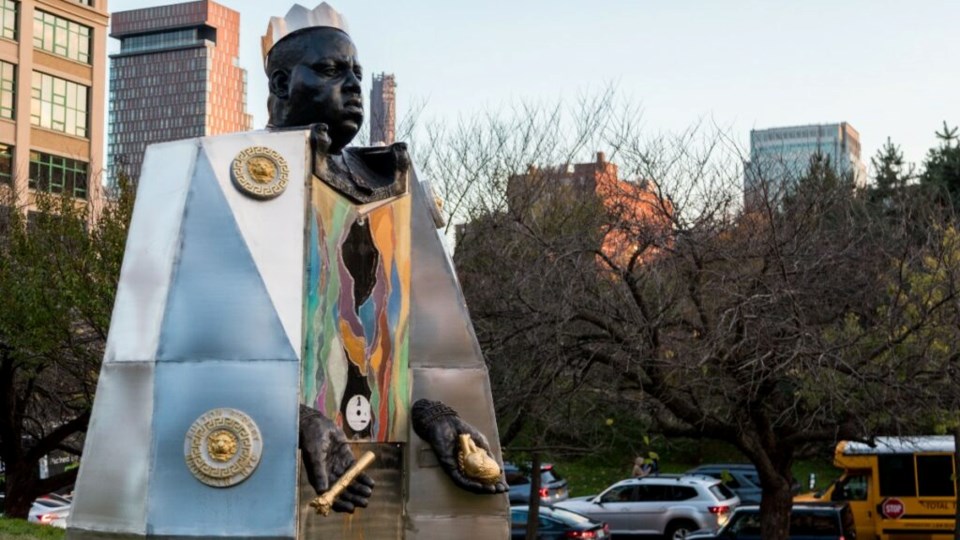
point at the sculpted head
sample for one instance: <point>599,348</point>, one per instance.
<point>314,76</point>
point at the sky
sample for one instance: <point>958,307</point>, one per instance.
<point>890,68</point>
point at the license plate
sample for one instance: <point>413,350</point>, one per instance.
<point>561,492</point>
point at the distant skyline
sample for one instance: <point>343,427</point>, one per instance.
<point>887,67</point>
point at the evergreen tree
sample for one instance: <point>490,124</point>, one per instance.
<point>890,172</point>
<point>942,166</point>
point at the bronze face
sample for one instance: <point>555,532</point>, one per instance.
<point>315,78</point>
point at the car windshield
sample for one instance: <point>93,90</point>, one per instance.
<point>519,476</point>
<point>549,475</point>
<point>48,503</point>
<point>568,516</point>
<point>721,492</point>
<point>516,478</point>
<point>744,524</point>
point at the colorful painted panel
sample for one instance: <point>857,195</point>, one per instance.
<point>357,314</point>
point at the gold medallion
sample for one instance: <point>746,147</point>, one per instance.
<point>260,172</point>
<point>223,447</point>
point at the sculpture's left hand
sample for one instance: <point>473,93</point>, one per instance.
<point>441,427</point>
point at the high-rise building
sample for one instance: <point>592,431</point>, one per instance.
<point>383,109</point>
<point>52,81</point>
<point>176,76</point>
<point>781,155</point>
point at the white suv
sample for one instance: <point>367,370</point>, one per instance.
<point>666,505</point>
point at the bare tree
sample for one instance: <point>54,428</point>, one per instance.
<point>771,330</point>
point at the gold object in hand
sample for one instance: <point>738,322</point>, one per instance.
<point>324,503</point>
<point>475,463</point>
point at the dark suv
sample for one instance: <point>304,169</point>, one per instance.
<point>807,522</point>
<point>742,478</point>
<point>553,487</point>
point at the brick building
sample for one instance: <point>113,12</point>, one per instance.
<point>637,218</point>
<point>176,76</point>
<point>383,109</point>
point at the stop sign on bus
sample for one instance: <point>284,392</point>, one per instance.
<point>892,508</point>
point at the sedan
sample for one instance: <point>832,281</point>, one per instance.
<point>553,487</point>
<point>556,524</point>
<point>49,511</point>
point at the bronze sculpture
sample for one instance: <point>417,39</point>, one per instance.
<point>349,334</point>
<point>314,80</point>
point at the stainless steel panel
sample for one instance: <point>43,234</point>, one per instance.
<point>447,527</point>
<point>440,331</point>
<point>149,256</point>
<point>111,490</point>
<point>262,505</point>
<point>382,519</point>
<point>431,493</point>
<point>218,305</point>
<point>272,229</point>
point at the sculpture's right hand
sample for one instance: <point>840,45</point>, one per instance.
<point>326,456</point>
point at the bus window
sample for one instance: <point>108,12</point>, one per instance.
<point>935,476</point>
<point>852,488</point>
<point>897,478</point>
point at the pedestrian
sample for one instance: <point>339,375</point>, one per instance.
<point>641,468</point>
<point>654,462</point>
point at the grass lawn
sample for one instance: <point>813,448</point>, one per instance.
<point>18,529</point>
<point>587,477</point>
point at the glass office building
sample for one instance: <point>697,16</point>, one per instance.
<point>779,156</point>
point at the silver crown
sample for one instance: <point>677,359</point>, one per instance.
<point>299,18</point>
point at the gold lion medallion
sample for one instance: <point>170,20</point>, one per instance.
<point>260,172</point>
<point>223,447</point>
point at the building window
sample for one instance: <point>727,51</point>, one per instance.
<point>8,18</point>
<point>55,174</point>
<point>58,104</point>
<point>6,164</point>
<point>61,36</point>
<point>8,84</point>
<point>163,40</point>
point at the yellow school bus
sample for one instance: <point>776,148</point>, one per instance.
<point>899,489</point>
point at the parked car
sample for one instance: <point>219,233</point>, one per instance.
<point>741,478</point>
<point>553,487</point>
<point>556,524</point>
<point>807,522</point>
<point>49,511</point>
<point>665,505</point>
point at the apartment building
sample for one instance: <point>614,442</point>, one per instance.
<point>53,58</point>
